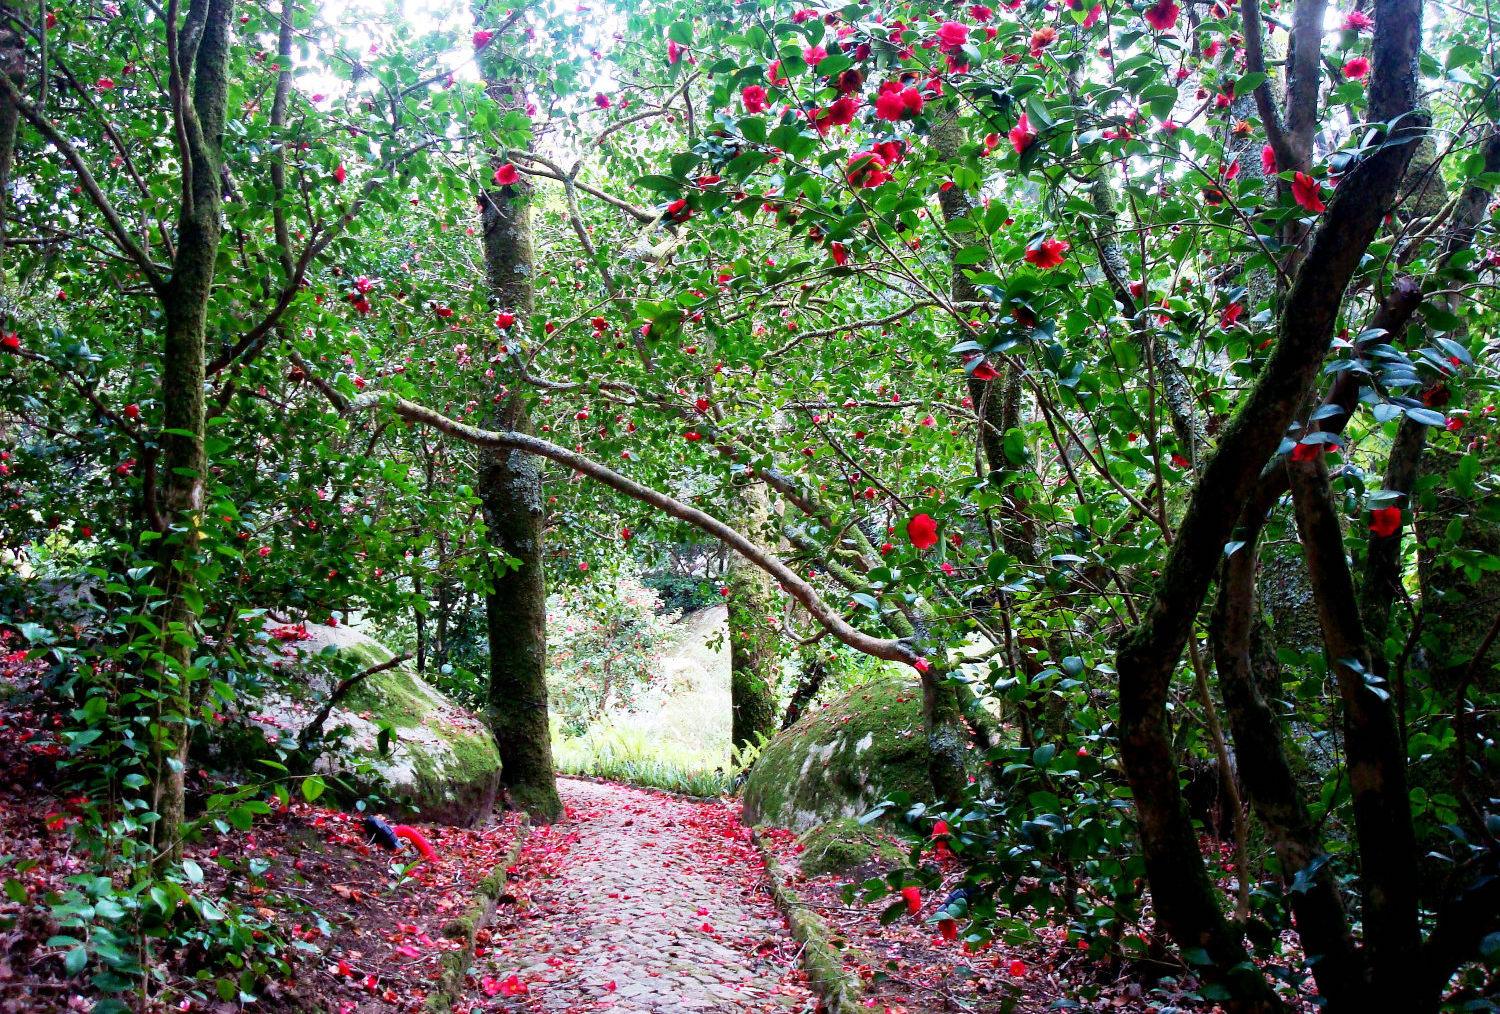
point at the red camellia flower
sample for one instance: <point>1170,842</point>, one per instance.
<point>866,169</point>
<point>692,436</point>
<point>1307,452</point>
<point>1162,15</point>
<point>104,84</point>
<point>754,98</point>
<point>1308,192</point>
<point>132,411</point>
<point>443,311</point>
<point>1017,968</point>
<point>1231,313</point>
<point>482,38</point>
<point>922,531</point>
<point>952,34</point>
<point>1268,160</point>
<point>898,103</point>
<point>11,341</point>
<point>840,253</point>
<point>1021,135</point>
<point>505,320</point>
<point>678,211</point>
<point>1358,21</point>
<point>507,175</point>
<point>949,929</point>
<point>603,101</point>
<point>913,896</point>
<point>1357,68</point>
<point>1046,253</point>
<point>339,174</point>
<point>1385,521</point>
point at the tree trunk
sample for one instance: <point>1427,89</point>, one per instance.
<point>814,673</point>
<point>754,646</point>
<point>185,302</point>
<point>510,487</point>
<point>516,610</point>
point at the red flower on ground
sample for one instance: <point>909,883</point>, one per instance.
<point>1162,15</point>
<point>922,531</point>
<point>1385,521</point>
<point>1046,253</point>
<point>1308,192</point>
<point>913,896</point>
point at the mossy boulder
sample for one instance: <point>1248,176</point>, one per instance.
<point>442,763</point>
<point>843,845</point>
<point>842,760</point>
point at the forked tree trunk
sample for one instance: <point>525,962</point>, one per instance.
<point>510,488</point>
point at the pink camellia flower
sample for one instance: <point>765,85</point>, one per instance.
<point>104,84</point>
<point>814,55</point>
<point>1357,68</point>
<point>754,98</point>
<point>675,51</point>
<point>482,38</point>
<point>1358,21</point>
<point>603,101</point>
<point>1162,15</point>
<point>1021,135</point>
<point>506,175</point>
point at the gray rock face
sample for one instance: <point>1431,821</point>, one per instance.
<point>842,760</point>
<point>442,762</point>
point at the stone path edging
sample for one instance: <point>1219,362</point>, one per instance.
<point>488,892</point>
<point>836,986</point>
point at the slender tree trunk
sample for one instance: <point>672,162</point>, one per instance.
<point>185,302</point>
<point>754,646</point>
<point>510,487</point>
<point>814,673</point>
<point>12,65</point>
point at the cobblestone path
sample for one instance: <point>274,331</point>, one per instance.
<point>640,902</point>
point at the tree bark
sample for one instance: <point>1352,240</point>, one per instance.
<point>1186,899</point>
<point>201,97</point>
<point>754,647</point>
<point>510,488</point>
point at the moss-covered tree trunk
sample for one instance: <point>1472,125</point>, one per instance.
<point>203,49</point>
<point>754,645</point>
<point>13,66</point>
<point>510,487</point>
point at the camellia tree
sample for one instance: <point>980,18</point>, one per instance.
<point>999,340</point>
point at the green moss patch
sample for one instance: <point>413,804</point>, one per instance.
<point>840,761</point>
<point>843,845</point>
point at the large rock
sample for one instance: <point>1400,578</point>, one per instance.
<point>441,763</point>
<point>842,760</point>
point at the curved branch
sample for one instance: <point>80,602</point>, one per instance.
<point>886,648</point>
